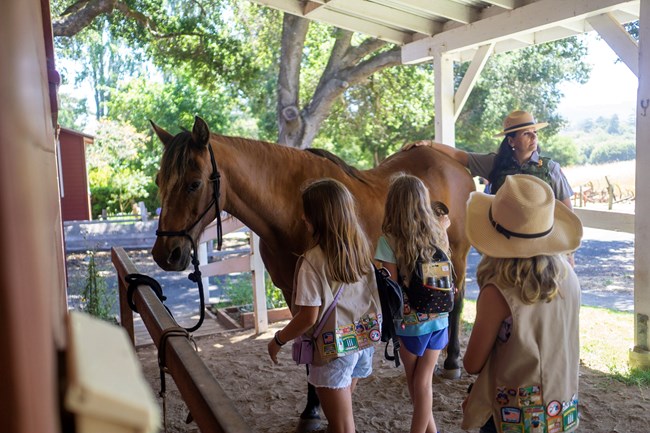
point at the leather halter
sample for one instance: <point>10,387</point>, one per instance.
<point>195,276</point>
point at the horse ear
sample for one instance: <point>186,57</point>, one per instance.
<point>164,136</point>
<point>200,132</point>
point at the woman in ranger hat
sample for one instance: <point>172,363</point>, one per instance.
<point>517,154</point>
<point>524,344</point>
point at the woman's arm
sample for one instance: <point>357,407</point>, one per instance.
<point>459,155</point>
<point>491,310</point>
<point>304,319</point>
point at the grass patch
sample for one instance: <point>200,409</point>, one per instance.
<point>606,337</point>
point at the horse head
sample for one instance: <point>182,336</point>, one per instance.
<point>189,186</point>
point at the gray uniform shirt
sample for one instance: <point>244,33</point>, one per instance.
<point>480,164</point>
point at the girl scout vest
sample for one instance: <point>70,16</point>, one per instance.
<point>539,170</point>
<point>355,323</point>
<point>529,383</point>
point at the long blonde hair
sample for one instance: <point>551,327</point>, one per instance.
<point>410,224</point>
<point>536,278</point>
<point>330,209</point>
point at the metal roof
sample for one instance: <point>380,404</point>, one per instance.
<point>459,27</point>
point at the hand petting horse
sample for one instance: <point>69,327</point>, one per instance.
<point>259,183</point>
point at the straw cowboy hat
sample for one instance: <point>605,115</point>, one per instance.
<point>520,120</point>
<point>522,220</point>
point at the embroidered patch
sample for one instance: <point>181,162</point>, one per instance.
<point>554,424</point>
<point>553,408</point>
<point>570,417</point>
<point>512,428</point>
<point>530,396</point>
<point>375,335</point>
<point>534,419</point>
<point>328,337</point>
<point>502,396</point>
<point>511,415</point>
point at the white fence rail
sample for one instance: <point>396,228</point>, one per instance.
<point>251,262</point>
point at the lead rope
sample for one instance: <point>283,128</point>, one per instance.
<point>176,331</point>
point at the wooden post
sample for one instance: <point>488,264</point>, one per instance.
<point>119,257</point>
<point>259,287</point>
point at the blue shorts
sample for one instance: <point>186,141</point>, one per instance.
<point>338,373</point>
<point>437,340</point>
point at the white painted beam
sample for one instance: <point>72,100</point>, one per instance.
<point>533,17</point>
<point>469,80</point>
<point>390,17</point>
<point>444,9</point>
<point>618,39</point>
<point>640,356</point>
<point>505,4</point>
<point>445,127</point>
<point>355,24</point>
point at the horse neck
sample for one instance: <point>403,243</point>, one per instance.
<point>261,184</point>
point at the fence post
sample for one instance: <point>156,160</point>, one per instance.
<point>610,194</point>
<point>144,215</point>
<point>203,259</point>
<point>259,288</point>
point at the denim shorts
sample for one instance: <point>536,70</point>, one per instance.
<point>437,340</point>
<point>338,373</point>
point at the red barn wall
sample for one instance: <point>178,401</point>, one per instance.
<point>75,200</point>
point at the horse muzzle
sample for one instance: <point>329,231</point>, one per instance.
<point>172,254</point>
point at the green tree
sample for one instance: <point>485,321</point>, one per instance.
<point>525,79</point>
<point>115,170</point>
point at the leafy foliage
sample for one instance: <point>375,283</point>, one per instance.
<point>603,140</point>
<point>526,79</point>
<point>95,298</point>
<point>116,170</point>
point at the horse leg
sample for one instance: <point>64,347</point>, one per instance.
<point>452,365</point>
<point>310,417</point>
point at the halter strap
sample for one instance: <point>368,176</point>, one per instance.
<point>507,233</point>
<point>195,276</point>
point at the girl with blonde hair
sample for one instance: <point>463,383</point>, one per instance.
<point>524,344</point>
<point>412,230</point>
<point>338,263</point>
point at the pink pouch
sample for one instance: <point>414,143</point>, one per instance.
<point>303,350</point>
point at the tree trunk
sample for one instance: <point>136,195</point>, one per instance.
<point>348,65</point>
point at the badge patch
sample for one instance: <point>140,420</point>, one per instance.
<point>554,408</point>
<point>534,419</point>
<point>375,335</point>
<point>570,417</point>
<point>530,396</point>
<point>511,415</point>
<point>512,428</point>
<point>554,424</point>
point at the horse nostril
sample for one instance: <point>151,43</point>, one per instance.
<point>175,255</point>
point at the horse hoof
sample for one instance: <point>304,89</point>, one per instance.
<point>306,425</point>
<point>453,373</point>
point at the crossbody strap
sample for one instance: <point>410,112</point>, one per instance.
<point>329,311</point>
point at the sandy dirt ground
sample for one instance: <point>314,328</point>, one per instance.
<point>270,397</point>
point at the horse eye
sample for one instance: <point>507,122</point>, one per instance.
<point>194,186</point>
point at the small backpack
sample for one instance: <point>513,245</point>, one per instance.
<point>430,288</point>
<point>392,311</point>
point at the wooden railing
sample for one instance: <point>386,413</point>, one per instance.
<point>210,407</point>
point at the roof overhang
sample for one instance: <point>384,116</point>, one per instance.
<point>460,27</point>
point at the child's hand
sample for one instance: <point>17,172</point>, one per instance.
<point>274,349</point>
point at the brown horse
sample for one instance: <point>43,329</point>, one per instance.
<point>260,185</point>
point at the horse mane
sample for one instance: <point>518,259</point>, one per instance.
<point>348,169</point>
<point>175,160</point>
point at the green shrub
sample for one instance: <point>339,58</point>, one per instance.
<point>95,299</point>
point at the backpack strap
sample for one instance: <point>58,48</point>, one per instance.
<point>395,356</point>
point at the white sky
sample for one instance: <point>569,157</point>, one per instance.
<point>611,89</point>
